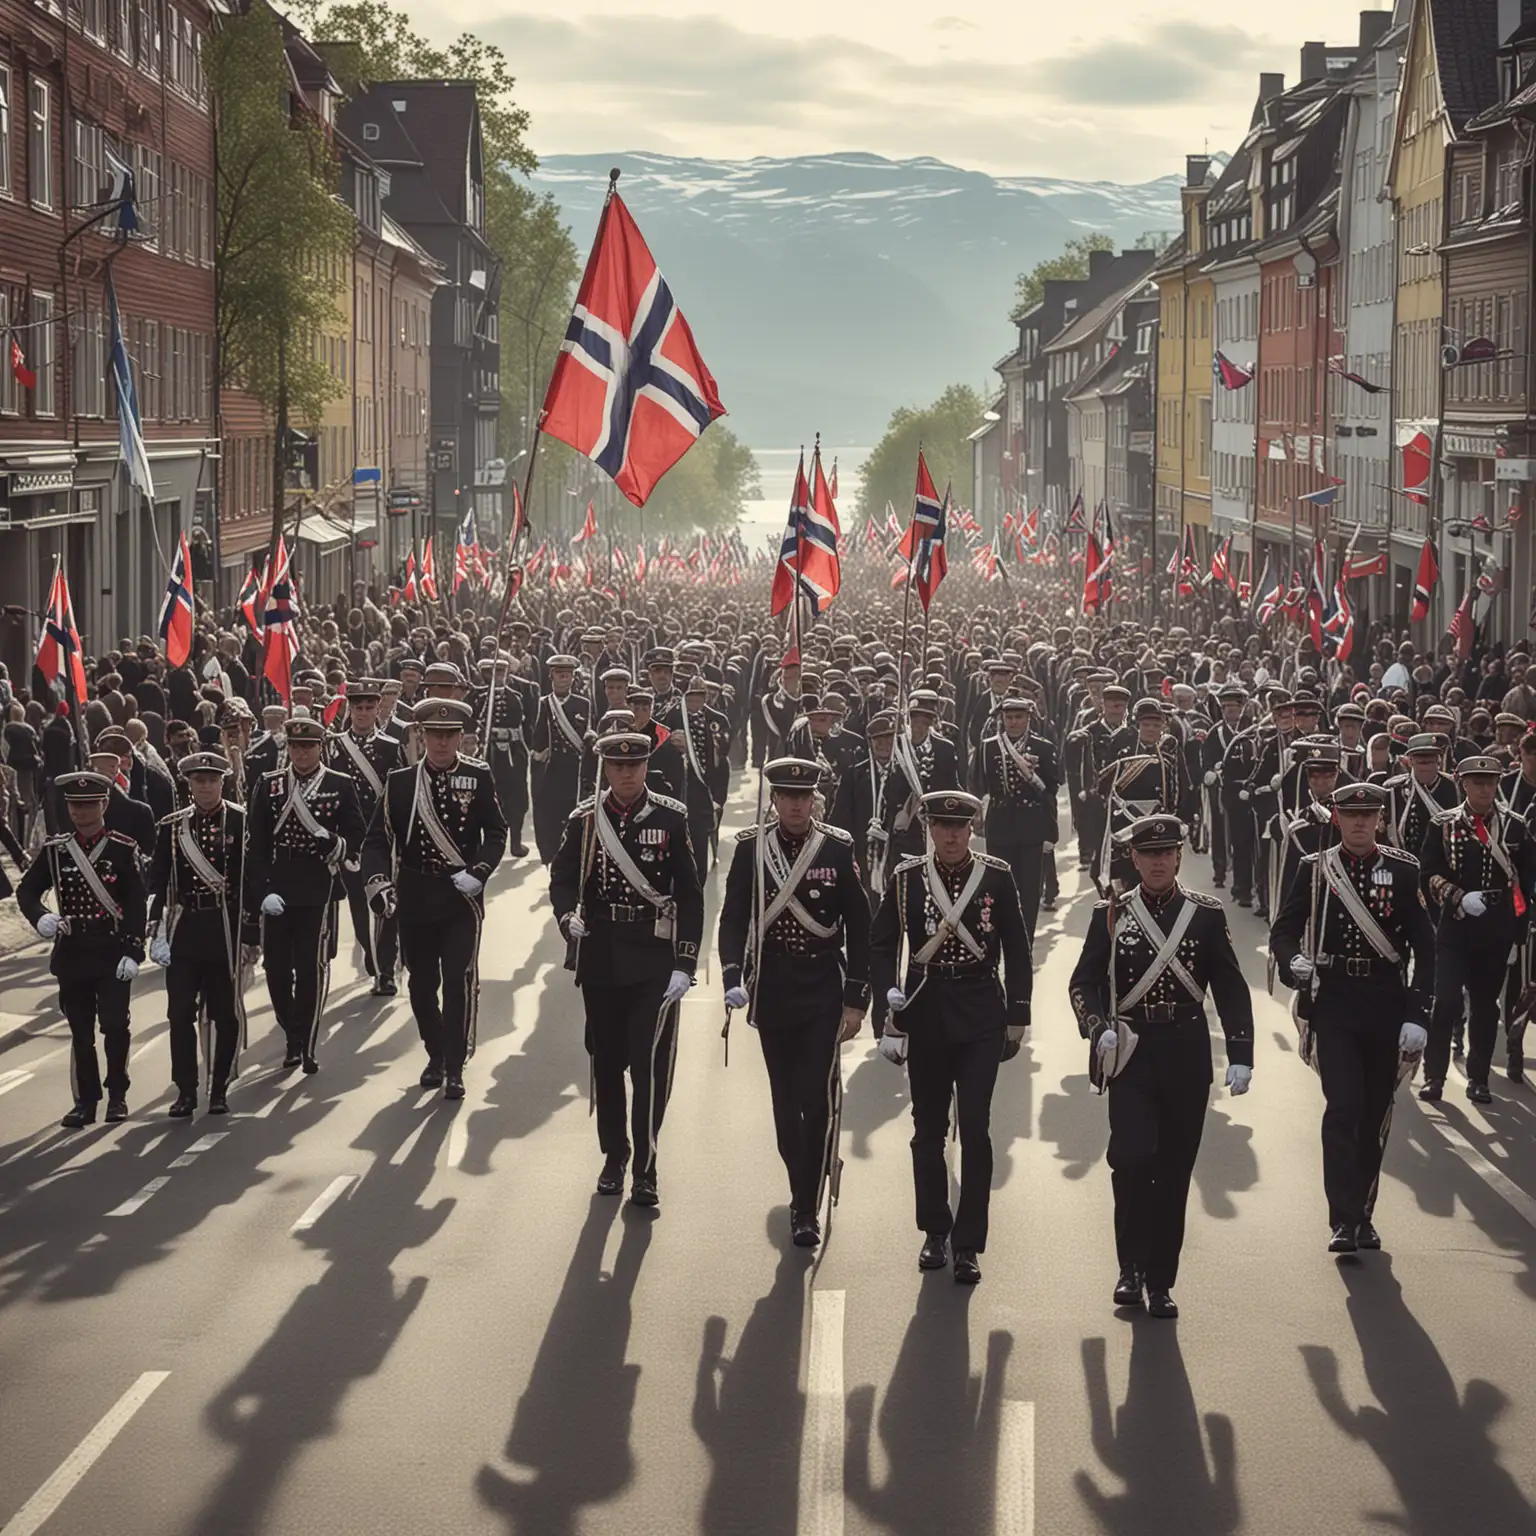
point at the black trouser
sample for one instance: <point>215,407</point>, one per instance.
<point>627,1031</point>
<point>701,826</point>
<point>199,977</point>
<point>1261,854</point>
<point>84,1000</point>
<point>1025,861</point>
<point>1092,814</point>
<point>558,790</point>
<point>1480,969</point>
<point>967,1069</point>
<point>296,949</point>
<point>1050,882</point>
<point>802,1063</point>
<point>379,936</point>
<point>1237,824</point>
<point>510,773</point>
<point>1156,1118</point>
<point>1514,989</point>
<point>442,956</point>
<point>1357,1060</point>
<point>1217,817</point>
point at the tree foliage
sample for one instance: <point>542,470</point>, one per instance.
<point>284,242</point>
<point>708,487</point>
<point>1071,263</point>
<point>942,430</point>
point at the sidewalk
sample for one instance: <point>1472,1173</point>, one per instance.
<point>16,933</point>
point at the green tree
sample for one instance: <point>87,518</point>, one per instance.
<point>708,487</point>
<point>283,241</point>
<point>942,430</point>
<point>1071,263</point>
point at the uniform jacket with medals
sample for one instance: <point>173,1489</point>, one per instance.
<point>954,992</point>
<point>195,913</point>
<point>97,939</point>
<point>382,753</point>
<point>401,849</point>
<point>806,976</point>
<point>1018,811</point>
<point>288,860</point>
<point>505,738</point>
<point>711,734</point>
<point>1205,951</point>
<point>937,762</point>
<point>552,747</point>
<point>623,945</point>
<point>1453,860</point>
<point>1408,817</point>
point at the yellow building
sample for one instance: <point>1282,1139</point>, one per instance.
<point>1187,324</point>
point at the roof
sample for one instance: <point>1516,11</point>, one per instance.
<point>1085,325</point>
<point>1466,41</point>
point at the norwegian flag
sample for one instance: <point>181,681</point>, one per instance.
<point>176,610</point>
<point>1228,374</point>
<point>630,390</point>
<point>519,519</point>
<point>1462,627</point>
<point>640,563</point>
<point>59,644</point>
<point>1339,622</point>
<point>1317,593</point>
<point>1418,456</point>
<point>536,559</point>
<point>922,545</point>
<point>1268,595</point>
<point>250,596</point>
<point>1077,516</point>
<point>1095,572</point>
<point>466,551</point>
<point>892,523</point>
<point>19,370</point>
<point>588,528</point>
<point>1424,582</point>
<point>1183,561</point>
<point>407,591</point>
<point>332,711</point>
<point>1221,562</point>
<point>280,642</point>
<point>872,535</point>
<point>1245,586</point>
<point>1030,528</point>
<point>428,580</point>
<point>1356,566</point>
<point>808,554</point>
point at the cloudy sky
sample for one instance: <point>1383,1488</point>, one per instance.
<point>1112,89</point>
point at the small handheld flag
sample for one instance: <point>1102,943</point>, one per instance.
<point>176,610</point>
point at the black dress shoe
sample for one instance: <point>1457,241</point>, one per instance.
<point>806,1228</point>
<point>1161,1304</point>
<point>218,1102</point>
<point>432,1075</point>
<point>117,1110</point>
<point>1243,901</point>
<point>310,1065</point>
<point>1458,1050</point>
<point>611,1180</point>
<point>453,1085</point>
<point>183,1107</point>
<point>1343,1239</point>
<point>383,987</point>
<point>1479,1093</point>
<point>1129,1288</point>
<point>292,1057</point>
<point>1366,1236</point>
<point>1515,1071</point>
<point>643,1191</point>
<point>967,1269</point>
<point>519,850</point>
<point>81,1114</point>
<point>935,1254</point>
<point>1431,1093</point>
<point>1261,912</point>
<point>1219,881</point>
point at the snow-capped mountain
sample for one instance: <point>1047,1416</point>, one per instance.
<point>826,290</point>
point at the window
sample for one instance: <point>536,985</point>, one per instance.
<point>42,355</point>
<point>148,45</point>
<point>144,347</point>
<point>10,312</point>
<point>88,365</point>
<point>90,16</point>
<point>1506,180</point>
<point>5,130</point>
<point>149,164</point>
<point>370,132</point>
<point>87,163</point>
<point>40,145</point>
<point>1467,192</point>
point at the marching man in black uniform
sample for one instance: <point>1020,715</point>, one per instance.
<point>1138,991</point>
<point>367,756</point>
<point>806,985</point>
<point>1419,794</point>
<point>1352,920</point>
<point>504,744</point>
<point>704,734</point>
<point>561,736</point>
<point>436,841</point>
<point>625,891</point>
<point>97,936</point>
<point>305,823</point>
<point>1479,873</point>
<point>952,1020</point>
<point>201,933</point>
<point>1151,779</point>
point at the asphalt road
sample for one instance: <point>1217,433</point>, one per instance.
<point>350,1308</point>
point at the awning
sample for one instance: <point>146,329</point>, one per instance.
<point>320,531</point>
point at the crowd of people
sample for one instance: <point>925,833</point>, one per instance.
<point>1374,817</point>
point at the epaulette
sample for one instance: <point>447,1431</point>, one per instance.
<point>1395,780</point>
<point>837,834</point>
<point>1440,817</point>
<point>474,762</point>
<point>670,803</point>
<point>583,808</point>
<point>991,860</point>
<point>180,815</point>
<point>122,837</point>
<point>1201,898</point>
<point>1401,854</point>
<point>912,861</point>
<point>746,834</point>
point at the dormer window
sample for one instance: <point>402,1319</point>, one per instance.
<point>370,132</point>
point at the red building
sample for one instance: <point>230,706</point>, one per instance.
<point>110,79</point>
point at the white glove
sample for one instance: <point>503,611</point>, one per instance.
<point>894,1048</point>
<point>466,883</point>
<point>1082,795</point>
<point>1210,775</point>
<point>1238,1078</point>
<point>160,951</point>
<point>677,984</point>
<point>1474,904</point>
<point>896,999</point>
<point>1301,969</point>
<point>1109,1043</point>
<point>1242,794</point>
<point>127,969</point>
<point>575,928</point>
<point>1412,1038</point>
<point>1017,1032</point>
<point>273,905</point>
<point>736,997</point>
<point>48,925</point>
<point>352,866</point>
<point>1274,783</point>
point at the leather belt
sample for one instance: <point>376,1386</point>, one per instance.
<point>1160,1013</point>
<point>207,902</point>
<point>644,913</point>
<point>972,969</point>
<point>1357,965</point>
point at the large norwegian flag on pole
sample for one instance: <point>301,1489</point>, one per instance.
<point>922,545</point>
<point>630,390</point>
<point>176,610</point>
<point>250,597</point>
<point>280,642</point>
<point>808,555</point>
<point>1424,582</point>
<point>428,581</point>
<point>59,645</point>
<point>466,550</point>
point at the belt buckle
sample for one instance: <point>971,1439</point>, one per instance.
<point>1355,966</point>
<point>1160,1013</point>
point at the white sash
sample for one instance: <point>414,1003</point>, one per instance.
<point>432,824</point>
<point>1167,957</point>
<point>1019,756</point>
<point>608,837</point>
<point>693,756</point>
<point>904,756</point>
<point>360,758</point>
<point>86,864</point>
<point>951,915</point>
<point>1432,808</point>
<point>1331,864</point>
<point>297,804</point>
<point>196,857</point>
<point>788,881</point>
<point>567,730</point>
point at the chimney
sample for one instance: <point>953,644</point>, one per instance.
<point>1270,86</point>
<point>1314,62</point>
<point>1098,263</point>
<point>1196,167</point>
<point>1373,27</point>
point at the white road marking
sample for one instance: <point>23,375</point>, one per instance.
<point>1013,1502</point>
<point>407,1146</point>
<point>133,1202</point>
<point>10,1076</point>
<point>153,1142</point>
<point>426,1098</point>
<point>1496,1179</point>
<point>322,1203</point>
<point>37,1510</point>
<point>205,1143</point>
<point>821,1445</point>
<point>458,1139</point>
<point>15,1080</point>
